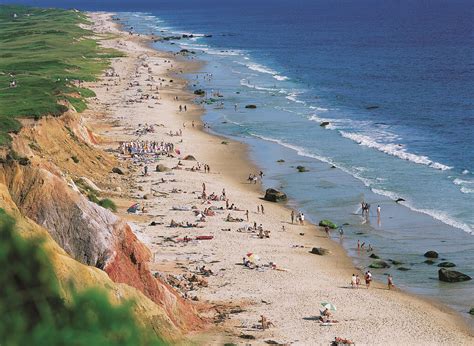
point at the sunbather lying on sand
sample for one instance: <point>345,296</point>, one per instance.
<point>233,219</point>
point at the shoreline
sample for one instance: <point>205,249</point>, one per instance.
<point>208,148</point>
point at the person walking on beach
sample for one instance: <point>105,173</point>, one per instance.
<point>302,219</point>
<point>353,281</point>
<point>390,282</point>
<point>368,279</point>
<point>326,229</point>
<point>258,209</point>
<point>185,108</point>
<point>292,216</point>
<point>203,187</point>
<point>357,281</point>
<point>341,233</point>
<point>378,211</point>
<point>235,107</point>
<point>247,215</point>
<point>180,108</point>
<point>261,208</point>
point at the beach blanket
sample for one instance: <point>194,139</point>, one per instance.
<point>181,208</point>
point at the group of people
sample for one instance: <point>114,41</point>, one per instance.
<point>253,178</point>
<point>299,217</point>
<point>355,280</point>
<point>145,147</point>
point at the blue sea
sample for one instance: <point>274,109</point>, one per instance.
<point>394,80</point>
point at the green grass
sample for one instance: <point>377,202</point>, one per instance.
<point>44,51</point>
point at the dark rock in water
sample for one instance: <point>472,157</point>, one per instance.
<point>199,92</point>
<point>251,106</point>
<point>118,170</point>
<point>161,168</point>
<point>446,265</point>
<point>207,36</point>
<point>333,166</point>
<point>324,123</point>
<point>379,264</point>
<point>273,195</point>
<point>400,200</point>
<point>346,224</point>
<point>431,254</point>
<point>429,261</point>
<point>396,263</point>
<point>403,269</point>
<point>447,275</point>
<point>471,311</point>
<point>280,161</point>
<point>374,256</point>
<point>319,251</point>
<point>371,107</point>
<point>301,169</point>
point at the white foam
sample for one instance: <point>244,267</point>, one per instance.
<point>466,190</point>
<point>280,78</point>
<point>464,172</point>
<point>436,214</point>
<point>293,97</point>
<point>393,149</point>
<point>458,181</point>
<point>245,83</point>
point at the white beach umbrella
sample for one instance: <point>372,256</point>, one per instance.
<point>329,306</point>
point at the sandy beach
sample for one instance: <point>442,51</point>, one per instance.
<point>290,295</point>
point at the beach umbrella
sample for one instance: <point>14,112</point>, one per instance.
<point>253,257</point>
<point>329,306</point>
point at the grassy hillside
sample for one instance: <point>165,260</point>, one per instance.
<point>45,52</point>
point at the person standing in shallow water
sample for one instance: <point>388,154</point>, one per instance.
<point>292,216</point>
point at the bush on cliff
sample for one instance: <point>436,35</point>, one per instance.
<point>33,312</point>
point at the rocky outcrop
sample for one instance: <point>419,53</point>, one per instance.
<point>447,275</point>
<point>431,254</point>
<point>446,265</point>
<point>273,195</point>
<point>379,264</point>
<point>162,168</point>
<point>319,251</point>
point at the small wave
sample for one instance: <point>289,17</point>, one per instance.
<point>293,97</point>
<point>397,150</point>
<point>464,172</point>
<point>466,190</point>
<point>458,181</point>
<point>245,83</point>
<point>436,214</point>
<point>320,109</point>
<point>280,78</point>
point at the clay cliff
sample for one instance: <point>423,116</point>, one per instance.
<point>89,244</point>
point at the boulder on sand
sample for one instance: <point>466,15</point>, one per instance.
<point>319,251</point>
<point>329,223</point>
<point>189,158</point>
<point>431,254</point>
<point>161,168</point>
<point>379,264</point>
<point>118,170</point>
<point>273,195</point>
<point>447,275</point>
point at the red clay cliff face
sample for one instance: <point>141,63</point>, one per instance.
<point>92,235</point>
<point>128,264</point>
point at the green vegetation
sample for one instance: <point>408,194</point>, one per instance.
<point>108,204</point>
<point>33,312</point>
<point>46,53</point>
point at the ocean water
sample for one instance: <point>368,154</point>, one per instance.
<point>395,82</point>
